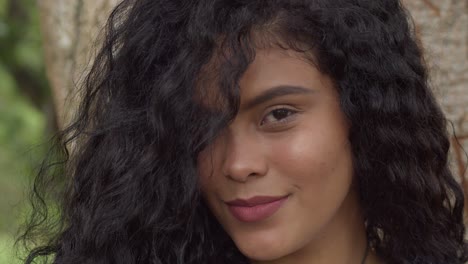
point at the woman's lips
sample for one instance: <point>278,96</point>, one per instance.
<point>256,208</point>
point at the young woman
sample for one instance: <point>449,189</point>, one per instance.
<point>241,131</point>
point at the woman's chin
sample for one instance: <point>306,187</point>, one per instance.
<point>261,254</point>
<point>263,248</point>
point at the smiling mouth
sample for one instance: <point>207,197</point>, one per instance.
<point>256,208</point>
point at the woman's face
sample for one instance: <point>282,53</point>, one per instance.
<point>278,179</point>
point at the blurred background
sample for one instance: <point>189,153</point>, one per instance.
<point>46,47</point>
<point>26,112</point>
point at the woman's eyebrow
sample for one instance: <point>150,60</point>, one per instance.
<point>274,92</point>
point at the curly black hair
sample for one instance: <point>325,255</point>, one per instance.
<point>128,190</point>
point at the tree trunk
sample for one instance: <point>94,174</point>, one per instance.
<point>69,27</point>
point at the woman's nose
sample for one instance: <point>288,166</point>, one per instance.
<point>243,157</point>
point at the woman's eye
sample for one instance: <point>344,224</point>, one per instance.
<point>278,116</point>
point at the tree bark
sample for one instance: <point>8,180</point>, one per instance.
<point>69,31</point>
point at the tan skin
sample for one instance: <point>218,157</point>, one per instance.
<point>302,151</point>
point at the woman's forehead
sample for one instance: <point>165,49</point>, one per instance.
<point>271,67</point>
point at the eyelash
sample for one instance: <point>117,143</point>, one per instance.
<point>290,113</point>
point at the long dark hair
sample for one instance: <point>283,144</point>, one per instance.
<point>128,179</point>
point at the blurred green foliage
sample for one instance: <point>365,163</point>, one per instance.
<point>25,113</point>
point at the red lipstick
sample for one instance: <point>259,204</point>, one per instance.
<point>256,208</point>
